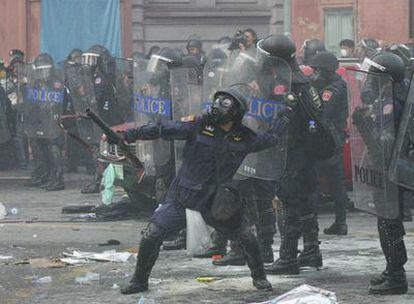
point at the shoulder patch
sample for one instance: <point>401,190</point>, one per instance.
<point>208,130</point>
<point>188,118</point>
<point>327,95</point>
<point>280,89</point>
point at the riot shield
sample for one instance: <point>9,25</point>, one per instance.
<point>43,98</point>
<point>401,169</point>
<point>151,104</point>
<point>214,74</point>
<point>264,105</point>
<point>124,83</point>
<point>79,81</point>
<point>372,137</point>
<point>186,93</point>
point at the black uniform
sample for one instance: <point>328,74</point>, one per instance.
<point>335,99</point>
<point>309,140</point>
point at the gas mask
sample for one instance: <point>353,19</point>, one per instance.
<point>223,110</point>
<point>320,78</point>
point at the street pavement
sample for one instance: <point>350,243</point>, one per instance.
<point>40,230</point>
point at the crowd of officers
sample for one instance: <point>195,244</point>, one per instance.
<point>291,200</point>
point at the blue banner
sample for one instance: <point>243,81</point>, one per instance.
<point>66,25</point>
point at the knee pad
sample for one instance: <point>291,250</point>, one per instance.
<point>153,232</point>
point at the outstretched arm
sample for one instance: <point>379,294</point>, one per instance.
<point>168,130</point>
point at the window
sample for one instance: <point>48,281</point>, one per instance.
<point>339,25</point>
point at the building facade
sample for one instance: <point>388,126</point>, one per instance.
<point>151,22</point>
<point>388,21</point>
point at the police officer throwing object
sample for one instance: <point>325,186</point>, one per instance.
<point>216,145</point>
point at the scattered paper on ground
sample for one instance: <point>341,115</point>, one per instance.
<point>5,257</point>
<point>82,257</point>
<point>304,294</point>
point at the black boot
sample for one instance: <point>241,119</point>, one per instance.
<point>149,250</point>
<point>389,283</point>
<point>179,243</point>
<point>94,186</point>
<point>251,250</point>
<point>287,262</point>
<point>393,280</point>
<point>56,170</point>
<point>336,229</point>
<point>235,257</point>
<point>311,256</point>
<point>218,247</point>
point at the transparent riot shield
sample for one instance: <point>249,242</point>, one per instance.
<point>372,137</point>
<point>264,105</point>
<point>186,93</point>
<point>43,97</point>
<point>401,169</point>
<point>79,81</point>
<point>214,74</point>
<point>152,104</point>
<point>124,84</point>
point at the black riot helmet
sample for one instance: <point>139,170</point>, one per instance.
<point>96,55</point>
<point>230,104</point>
<point>402,51</point>
<point>74,57</point>
<point>388,63</point>
<point>43,66</point>
<point>277,46</point>
<point>311,47</point>
<point>324,61</point>
<point>194,43</point>
<point>274,48</point>
<point>15,56</point>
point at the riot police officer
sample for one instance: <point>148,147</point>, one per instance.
<point>391,229</point>
<point>16,59</point>
<point>99,59</point>
<point>195,48</point>
<point>73,150</point>
<point>47,148</point>
<point>367,47</point>
<point>333,91</point>
<point>308,140</point>
<point>216,145</point>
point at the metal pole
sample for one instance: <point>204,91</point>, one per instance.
<point>287,8</point>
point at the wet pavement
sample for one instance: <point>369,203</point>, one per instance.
<point>40,230</point>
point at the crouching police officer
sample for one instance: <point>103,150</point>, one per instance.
<point>216,145</point>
